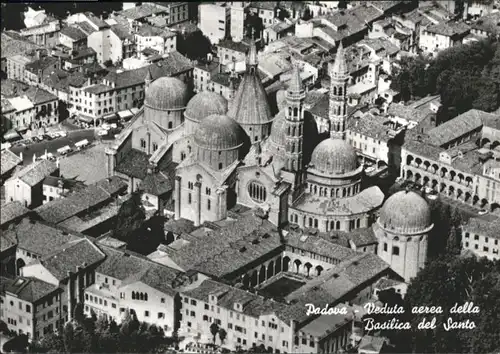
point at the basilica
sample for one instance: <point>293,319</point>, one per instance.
<point>201,156</point>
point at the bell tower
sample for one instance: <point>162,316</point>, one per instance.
<point>339,77</point>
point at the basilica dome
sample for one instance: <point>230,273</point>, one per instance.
<point>205,104</point>
<point>334,157</point>
<point>218,132</point>
<point>167,93</point>
<point>405,212</point>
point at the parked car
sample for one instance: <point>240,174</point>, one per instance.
<point>102,132</point>
<point>62,133</point>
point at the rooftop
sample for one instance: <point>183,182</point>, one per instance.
<point>134,164</point>
<point>12,211</point>
<point>39,96</point>
<point>324,325</point>
<point>74,33</point>
<point>489,23</point>
<point>41,64</point>
<point>449,29</point>
<point>61,209</point>
<point>9,161</point>
<point>12,44</point>
<point>236,46</point>
<point>38,237</point>
<point>376,127</point>
<point>35,172</point>
<point>483,227</point>
<point>151,31</point>
<point>27,288</point>
<point>142,11</point>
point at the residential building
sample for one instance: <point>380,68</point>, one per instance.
<point>237,21</point>
<point>122,38</point>
<point>266,10</point>
<point>46,107</point>
<point>229,51</point>
<point>214,20</point>
<point>72,37</point>
<point>487,25</point>
<point>159,39</point>
<point>45,34</point>
<point>437,37</point>
<point>16,66</point>
<point>278,30</point>
<point>11,213</point>
<point>481,238</point>
<point>226,84</point>
<point>447,159</point>
<point>202,74</point>
<point>31,306</point>
<point>178,10</point>
<point>18,113</point>
<point>79,59</point>
<point>58,187</point>
<point>12,44</point>
<point>39,68</point>
<point>9,161</point>
<point>25,185</point>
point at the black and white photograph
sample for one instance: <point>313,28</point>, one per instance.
<point>250,177</point>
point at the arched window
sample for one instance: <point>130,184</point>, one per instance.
<point>146,297</point>
<point>337,225</point>
<point>183,155</point>
<point>289,114</point>
<point>257,191</point>
<point>189,148</point>
<point>295,112</point>
<point>141,296</point>
<point>143,143</point>
<point>208,204</point>
<point>334,90</point>
<point>170,125</point>
<point>133,295</point>
<point>155,146</point>
<point>220,165</point>
<point>340,91</point>
<point>358,223</point>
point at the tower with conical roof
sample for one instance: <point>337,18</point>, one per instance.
<point>252,59</point>
<point>294,122</point>
<point>339,77</point>
<point>148,79</point>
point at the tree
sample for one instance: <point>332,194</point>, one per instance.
<point>214,329</point>
<point>68,338</point>
<point>130,218</point>
<point>222,335</point>
<point>78,314</point>
<point>194,45</point>
<point>307,15</point>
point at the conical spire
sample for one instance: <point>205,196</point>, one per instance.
<point>295,87</point>
<point>252,54</point>
<point>149,77</point>
<point>339,66</point>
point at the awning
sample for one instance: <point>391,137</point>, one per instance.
<point>85,119</point>
<point>22,128</point>
<point>11,135</point>
<point>125,114</point>
<point>109,117</point>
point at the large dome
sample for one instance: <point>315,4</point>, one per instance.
<point>250,104</point>
<point>334,157</point>
<point>204,104</point>
<point>167,93</point>
<point>218,132</point>
<point>278,130</point>
<point>405,212</point>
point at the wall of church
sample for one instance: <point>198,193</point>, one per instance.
<point>199,200</point>
<point>168,120</point>
<point>181,149</point>
<point>254,190</point>
<point>217,160</point>
<point>147,139</point>
<point>123,149</point>
<point>257,132</point>
<point>326,223</point>
<point>405,254</point>
<point>190,126</point>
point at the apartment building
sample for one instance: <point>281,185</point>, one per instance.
<point>214,20</point>
<point>16,66</point>
<point>160,39</point>
<point>481,238</point>
<point>72,37</point>
<point>45,34</point>
<point>30,306</point>
<point>437,37</point>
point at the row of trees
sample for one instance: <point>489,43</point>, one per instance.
<point>98,335</point>
<point>465,76</point>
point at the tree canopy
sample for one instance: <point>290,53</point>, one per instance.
<point>130,218</point>
<point>194,45</point>
<point>465,77</point>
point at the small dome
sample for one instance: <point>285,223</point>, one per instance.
<point>166,93</point>
<point>334,156</point>
<point>405,212</point>
<point>278,130</point>
<point>218,132</point>
<point>205,104</point>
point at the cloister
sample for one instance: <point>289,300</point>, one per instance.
<point>443,179</point>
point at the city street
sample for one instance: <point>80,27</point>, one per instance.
<point>52,145</point>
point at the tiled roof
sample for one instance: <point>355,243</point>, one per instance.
<point>134,164</point>
<point>157,184</point>
<point>318,245</point>
<point>266,5</point>
<point>372,344</point>
<point>367,200</point>
<point>227,249</point>
<point>11,211</point>
<point>483,227</point>
<point>252,305</point>
<point>35,172</point>
<point>151,31</point>
<point>98,89</point>
<point>71,255</point>
<point>456,127</point>
<point>39,96</point>
<point>38,237</point>
<point>130,267</point>
<point>73,32</point>
<point>96,20</point>
<point>324,325</point>
<point>489,23</point>
<point>236,46</point>
<point>141,11</point>
<point>85,27</point>
<point>12,44</point>
<point>449,29</point>
<point>61,209</point>
<point>27,288</point>
<point>41,64</point>
<point>9,161</point>
<point>67,183</point>
<point>121,31</point>
<point>175,64</point>
<point>369,125</point>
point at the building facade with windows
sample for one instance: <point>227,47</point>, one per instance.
<point>481,238</point>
